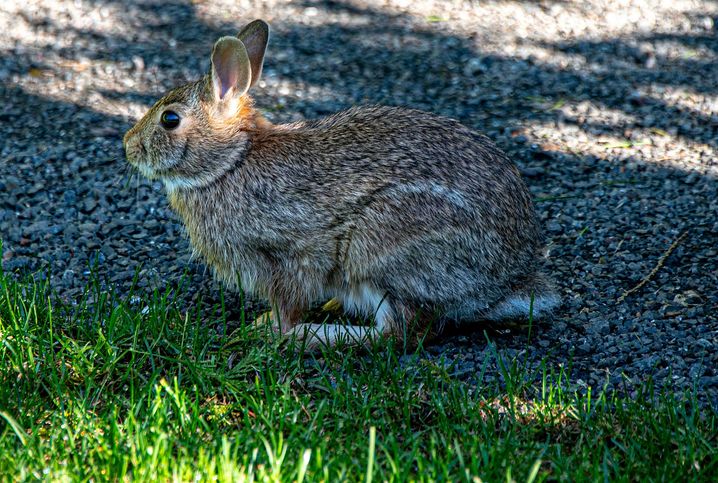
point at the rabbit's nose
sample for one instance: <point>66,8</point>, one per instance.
<point>132,145</point>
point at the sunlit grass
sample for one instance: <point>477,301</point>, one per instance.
<point>109,389</point>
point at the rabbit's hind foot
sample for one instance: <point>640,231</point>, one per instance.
<point>315,336</point>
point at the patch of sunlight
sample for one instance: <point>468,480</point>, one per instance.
<point>81,17</point>
<point>681,96</point>
<point>613,142</point>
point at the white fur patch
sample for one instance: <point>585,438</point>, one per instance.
<point>367,301</point>
<point>178,183</point>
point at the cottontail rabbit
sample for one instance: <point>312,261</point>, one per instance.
<point>396,214</point>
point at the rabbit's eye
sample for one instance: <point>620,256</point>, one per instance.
<point>169,120</point>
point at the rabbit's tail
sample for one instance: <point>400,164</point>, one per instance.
<point>536,299</point>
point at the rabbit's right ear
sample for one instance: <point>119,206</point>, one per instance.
<point>255,36</point>
<point>231,70</point>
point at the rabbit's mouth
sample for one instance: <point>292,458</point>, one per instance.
<point>172,182</point>
<point>140,165</point>
<point>136,161</point>
<point>135,151</point>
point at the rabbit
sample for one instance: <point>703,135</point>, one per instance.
<point>400,216</point>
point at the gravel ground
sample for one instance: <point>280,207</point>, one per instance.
<point>609,107</point>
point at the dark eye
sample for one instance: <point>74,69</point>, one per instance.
<point>169,120</point>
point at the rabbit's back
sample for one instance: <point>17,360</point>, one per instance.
<point>364,153</point>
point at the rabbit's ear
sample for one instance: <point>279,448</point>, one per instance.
<point>255,36</point>
<point>231,70</point>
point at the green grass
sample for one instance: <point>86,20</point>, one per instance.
<point>105,389</point>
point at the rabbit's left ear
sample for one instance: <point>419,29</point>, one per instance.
<point>231,70</point>
<point>255,36</point>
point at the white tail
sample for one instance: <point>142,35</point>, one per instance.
<point>520,306</point>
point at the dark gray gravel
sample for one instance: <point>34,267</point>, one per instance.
<point>610,108</point>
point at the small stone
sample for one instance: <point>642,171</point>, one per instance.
<point>70,197</point>
<point>474,66</point>
<point>68,276</point>
<point>584,348</point>
<point>138,63</point>
<point>704,343</point>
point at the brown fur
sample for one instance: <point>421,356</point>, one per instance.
<point>396,208</point>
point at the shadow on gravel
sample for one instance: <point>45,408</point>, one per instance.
<point>608,220</point>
